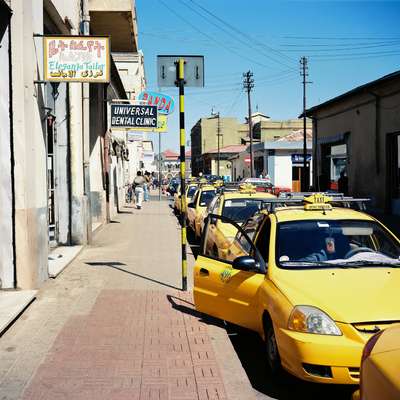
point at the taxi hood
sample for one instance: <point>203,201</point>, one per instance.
<point>346,295</point>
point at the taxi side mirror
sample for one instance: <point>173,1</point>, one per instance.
<point>191,205</point>
<point>245,263</point>
<point>213,220</point>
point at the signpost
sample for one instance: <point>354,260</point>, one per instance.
<point>76,59</point>
<point>181,71</point>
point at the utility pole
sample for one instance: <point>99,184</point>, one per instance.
<point>248,85</point>
<point>304,74</point>
<point>85,30</point>
<point>218,142</point>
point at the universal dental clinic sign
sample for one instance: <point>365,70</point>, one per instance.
<point>132,116</point>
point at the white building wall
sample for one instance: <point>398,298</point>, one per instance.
<point>282,174</point>
<point>6,222</point>
<point>30,151</point>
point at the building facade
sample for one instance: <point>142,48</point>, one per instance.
<point>56,148</point>
<point>280,159</point>
<point>204,137</point>
<point>358,132</point>
<point>231,132</point>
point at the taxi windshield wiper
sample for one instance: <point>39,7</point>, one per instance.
<point>364,263</point>
<point>314,264</point>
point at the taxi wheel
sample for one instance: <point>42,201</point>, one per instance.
<point>271,347</point>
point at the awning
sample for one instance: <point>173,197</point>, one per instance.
<point>5,15</point>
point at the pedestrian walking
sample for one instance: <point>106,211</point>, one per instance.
<point>146,187</point>
<point>139,182</point>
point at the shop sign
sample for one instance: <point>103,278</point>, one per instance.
<point>134,136</point>
<point>299,158</point>
<point>132,116</point>
<point>161,125</point>
<point>165,103</point>
<point>76,59</point>
<point>247,160</point>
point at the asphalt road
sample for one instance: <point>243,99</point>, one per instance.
<point>250,349</point>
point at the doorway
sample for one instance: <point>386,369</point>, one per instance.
<point>393,173</point>
<point>51,180</point>
<point>297,176</point>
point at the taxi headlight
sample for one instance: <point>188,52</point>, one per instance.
<point>312,320</point>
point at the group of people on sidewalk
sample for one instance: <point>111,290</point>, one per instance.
<point>141,188</point>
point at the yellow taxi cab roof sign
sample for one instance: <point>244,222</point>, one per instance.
<point>317,201</point>
<point>247,188</point>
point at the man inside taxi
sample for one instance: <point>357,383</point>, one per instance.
<point>331,249</point>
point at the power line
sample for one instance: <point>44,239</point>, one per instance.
<point>249,38</point>
<point>245,42</point>
<point>210,37</point>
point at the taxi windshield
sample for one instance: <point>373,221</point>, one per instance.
<point>240,210</point>
<point>335,243</point>
<point>206,197</point>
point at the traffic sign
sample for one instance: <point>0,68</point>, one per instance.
<point>167,71</point>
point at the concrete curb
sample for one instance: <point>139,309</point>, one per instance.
<point>236,382</point>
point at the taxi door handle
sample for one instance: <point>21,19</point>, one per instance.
<point>204,272</point>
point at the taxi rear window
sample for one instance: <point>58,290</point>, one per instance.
<point>240,210</point>
<point>206,197</point>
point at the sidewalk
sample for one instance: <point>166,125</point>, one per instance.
<point>114,325</point>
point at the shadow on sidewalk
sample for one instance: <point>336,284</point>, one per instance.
<point>116,264</point>
<point>190,309</point>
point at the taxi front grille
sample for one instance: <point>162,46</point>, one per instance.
<point>373,326</point>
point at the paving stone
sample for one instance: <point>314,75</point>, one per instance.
<point>97,332</point>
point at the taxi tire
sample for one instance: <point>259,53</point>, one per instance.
<point>271,347</point>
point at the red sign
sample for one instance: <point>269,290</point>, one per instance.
<point>247,160</point>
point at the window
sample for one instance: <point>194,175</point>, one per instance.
<point>206,197</point>
<point>191,191</point>
<point>250,228</point>
<point>196,197</point>
<point>263,239</point>
<point>314,243</point>
<point>240,210</point>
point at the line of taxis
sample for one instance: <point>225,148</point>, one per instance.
<point>314,275</point>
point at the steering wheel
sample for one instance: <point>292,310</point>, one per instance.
<point>357,250</point>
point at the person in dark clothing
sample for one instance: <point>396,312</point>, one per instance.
<point>343,183</point>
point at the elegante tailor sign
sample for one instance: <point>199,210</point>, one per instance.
<point>76,59</point>
<point>131,116</point>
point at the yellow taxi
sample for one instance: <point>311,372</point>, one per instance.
<point>315,280</point>
<point>196,208</point>
<point>190,191</point>
<point>380,366</point>
<point>237,205</point>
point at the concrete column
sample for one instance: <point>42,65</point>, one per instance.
<point>31,226</point>
<point>78,205</point>
<point>6,190</point>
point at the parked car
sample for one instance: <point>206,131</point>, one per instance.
<point>196,208</point>
<point>380,366</point>
<point>313,278</point>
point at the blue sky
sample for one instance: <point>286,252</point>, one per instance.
<point>347,44</point>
